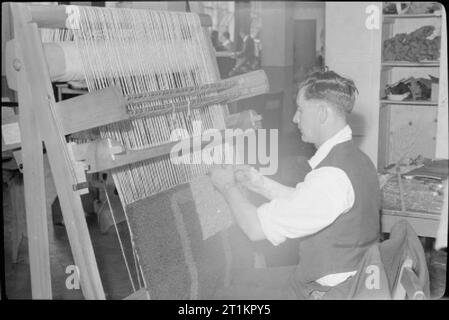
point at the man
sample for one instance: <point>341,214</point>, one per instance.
<point>218,46</point>
<point>246,56</point>
<point>335,210</point>
<point>227,43</point>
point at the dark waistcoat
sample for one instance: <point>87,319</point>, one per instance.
<point>340,246</point>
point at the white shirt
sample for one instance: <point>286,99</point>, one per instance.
<point>325,194</point>
<point>228,44</point>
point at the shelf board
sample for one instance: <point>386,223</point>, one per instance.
<point>388,17</point>
<point>409,213</point>
<point>410,102</point>
<point>410,64</point>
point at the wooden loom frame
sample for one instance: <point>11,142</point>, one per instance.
<point>28,74</point>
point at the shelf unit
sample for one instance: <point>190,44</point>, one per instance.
<point>425,224</point>
<point>409,102</point>
<point>406,128</point>
<point>390,18</point>
<point>408,64</point>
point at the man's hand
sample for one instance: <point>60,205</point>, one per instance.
<point>249,178</point>
<point>244,212</point>
<point>222,177</point>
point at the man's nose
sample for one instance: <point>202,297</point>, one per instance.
<point>296,117</point>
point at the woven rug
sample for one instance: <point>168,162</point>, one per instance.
<point>175,260</point>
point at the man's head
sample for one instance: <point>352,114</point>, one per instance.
<point>226,35</point>
<point>324,99</point>
<point>243,33</point>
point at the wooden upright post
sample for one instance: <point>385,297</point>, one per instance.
<point>34,188</point>
<point>35,71</point>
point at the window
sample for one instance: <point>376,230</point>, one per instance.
<point>222,14</point>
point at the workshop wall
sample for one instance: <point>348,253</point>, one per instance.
<point>314,11</point>
<point>353,50</point>
<point>442,125</point>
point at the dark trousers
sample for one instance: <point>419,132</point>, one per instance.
<point>259,284</point>
<point>278,284</point>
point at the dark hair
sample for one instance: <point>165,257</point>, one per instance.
<point>331,87</point>
<point>226,34</point>
<point>214,38</point>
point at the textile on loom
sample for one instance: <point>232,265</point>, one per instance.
<point>176,262</point>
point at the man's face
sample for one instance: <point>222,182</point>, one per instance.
<point>307,119</point>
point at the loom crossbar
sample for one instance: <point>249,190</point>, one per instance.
<point>106,154</point>
<point>108,105</point>
<point>46,16</point>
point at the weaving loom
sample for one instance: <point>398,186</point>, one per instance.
<point>148,73</point>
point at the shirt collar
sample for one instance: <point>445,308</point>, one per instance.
<point>341,136</point>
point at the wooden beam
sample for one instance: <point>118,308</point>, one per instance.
<point>42,95</point>
<point>107,154</point>
<point>34,189</point>
<point>99,157</point>
<point>107,106</point>
<point>11,73</point>
<point>49,16</point>
<point>91,110</point>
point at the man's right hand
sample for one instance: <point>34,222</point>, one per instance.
<point>249,178</point>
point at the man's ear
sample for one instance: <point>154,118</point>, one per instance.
<point>323,113</point>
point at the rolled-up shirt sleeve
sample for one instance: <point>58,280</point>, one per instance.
<point>325,193</point>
